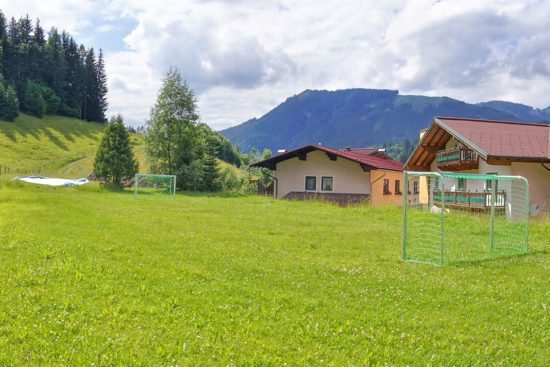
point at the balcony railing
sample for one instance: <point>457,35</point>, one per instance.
<point>459,158</point>
<point>470,199</point>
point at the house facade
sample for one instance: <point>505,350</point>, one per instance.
<point>338,175</point>
<point>486,147</point>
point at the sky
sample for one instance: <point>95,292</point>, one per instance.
<point>242,58</point>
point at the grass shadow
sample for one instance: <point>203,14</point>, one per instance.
<point>54,139</point>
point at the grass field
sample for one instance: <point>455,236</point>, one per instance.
<point>54,145</point>
<point>91,277</point>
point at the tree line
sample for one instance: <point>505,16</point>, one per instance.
<point>177,143</point>
<point>49,74</point>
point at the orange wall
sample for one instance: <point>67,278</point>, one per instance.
<point>378,198</point>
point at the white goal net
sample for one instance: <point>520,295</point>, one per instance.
<point>152,184</point>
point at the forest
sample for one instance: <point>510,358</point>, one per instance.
<point>49,73</point>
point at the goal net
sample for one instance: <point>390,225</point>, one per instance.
<point>151,184</point>
<point>450,217</point>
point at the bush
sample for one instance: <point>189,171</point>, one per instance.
<point>229,180</point>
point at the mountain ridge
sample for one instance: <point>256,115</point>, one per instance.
<point>362,117</point>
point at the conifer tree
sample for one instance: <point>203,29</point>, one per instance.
<point>115,159</point>
<point>12,104</point>
<point>12,110</point>
<point>3,101</point>
<point>210,180</point>
<point>91,103</point>
<point>102,87</point>
<point>70,78</point>
<point>33,101</point>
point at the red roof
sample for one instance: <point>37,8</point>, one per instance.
<point>366,157</point>
<point>500,138</point>
<point>365,151</point>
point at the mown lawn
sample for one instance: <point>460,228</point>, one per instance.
<point>90,277</point>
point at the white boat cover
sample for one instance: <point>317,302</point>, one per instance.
<point>51,181</point>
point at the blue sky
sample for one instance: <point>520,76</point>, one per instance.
<point>244,57</point>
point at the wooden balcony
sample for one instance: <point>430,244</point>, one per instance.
<point>475,200</point>
<point>457,159</point>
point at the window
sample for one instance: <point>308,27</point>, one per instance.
<point>397,186</point>
<point>326,183</point>
<point>387,187</point>
<point>461,185</point>
<point>489,183</point>
<point>415,187</point>
<point>311,183</point>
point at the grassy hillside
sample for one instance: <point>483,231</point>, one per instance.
<point>202,280</point>
<point>53,145</point>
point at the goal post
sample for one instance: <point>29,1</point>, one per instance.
<point>151,184</point>
<point>454,217</point>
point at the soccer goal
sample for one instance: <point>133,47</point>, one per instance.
<point>450,217</point>
<point>151,184</point>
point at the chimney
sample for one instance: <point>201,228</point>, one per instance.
<point>348,149</point>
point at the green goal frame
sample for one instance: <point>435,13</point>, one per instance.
<point>454,217</point>
<point>152,183</point>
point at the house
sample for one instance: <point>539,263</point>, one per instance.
<point>465,145</point>
<point>338,175</point>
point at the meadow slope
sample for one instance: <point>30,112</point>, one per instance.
<point>91,277</point>
<point>53,145</point>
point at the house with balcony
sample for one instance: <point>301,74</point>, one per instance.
<point>465,145</point>
<point>343,176</point>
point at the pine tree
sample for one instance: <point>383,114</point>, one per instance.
<point>3,100</point>
<point>210,180</point>
<point>3,25</point>
<point>39,38</point>
<point>91,103</point>
<point>33,101</point>
<point>115,159</point>
<point>102,87</point>
<point>174,143</point>
<point>54,68</point>
<point>12,104</point>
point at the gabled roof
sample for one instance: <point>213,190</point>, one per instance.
<point>368,158</point>
<point>491,139</point>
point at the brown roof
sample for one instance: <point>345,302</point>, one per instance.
<point>368,158</point>
<point>512,141</point>
<point>501,138</point>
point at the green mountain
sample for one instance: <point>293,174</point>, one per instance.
<point>520,111</point>
<point>361,117</point>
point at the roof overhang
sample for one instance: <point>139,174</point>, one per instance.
<point>437,136</point>
<point>434,140</point>
<point>332,154</point>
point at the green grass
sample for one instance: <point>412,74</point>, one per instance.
<point>91,277</point>
<point>54,145</point>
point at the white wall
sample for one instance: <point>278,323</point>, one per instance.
<point>348,176</point>
<point>539,182</point>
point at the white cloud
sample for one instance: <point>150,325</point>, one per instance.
<point>244,57</point>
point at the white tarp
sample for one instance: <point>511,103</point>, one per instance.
<point>50,181</point>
